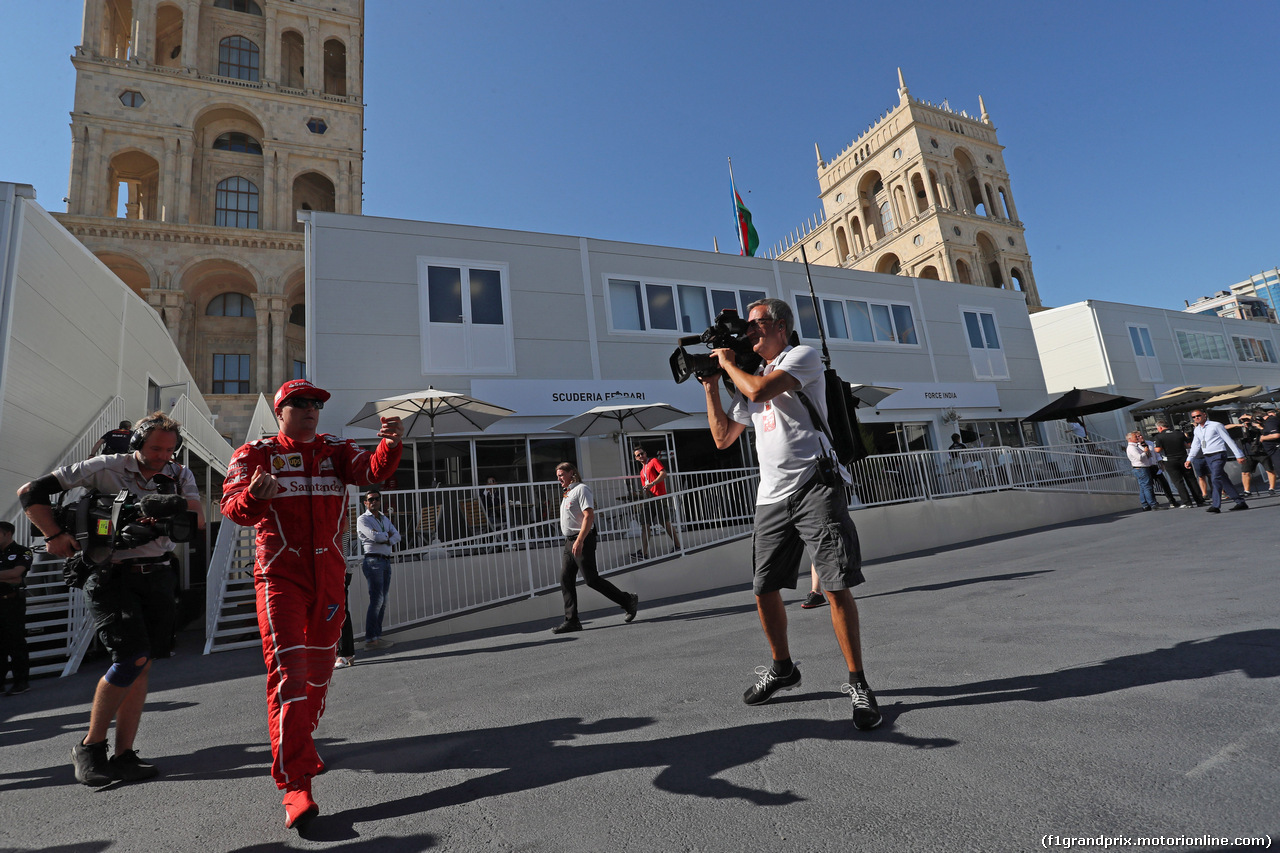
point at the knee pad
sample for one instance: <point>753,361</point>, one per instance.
<point>124,674</point>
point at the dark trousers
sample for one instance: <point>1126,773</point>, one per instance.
<point>1184,479</point>
<point>586,564</point>
<point>1219,482</point>
<point>1158,480</point>
<point>13,637</point>
<point>347,642</point>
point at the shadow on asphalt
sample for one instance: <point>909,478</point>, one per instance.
<point>1255,653</point>
<point>935,587</point>
<point>47,726</point>
<point>537,754</point>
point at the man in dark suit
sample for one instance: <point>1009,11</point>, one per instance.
<point>1172,445</point>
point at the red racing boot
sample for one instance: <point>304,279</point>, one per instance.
<point>299,808</point>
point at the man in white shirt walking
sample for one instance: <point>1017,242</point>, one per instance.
<point>1212,441</point>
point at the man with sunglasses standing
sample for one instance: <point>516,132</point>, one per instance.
<point>378,535</point>
<point>801,499</point>
<point>1212,441</point>
<point>293,488</point>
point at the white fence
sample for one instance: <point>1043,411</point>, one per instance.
<point>465,548</point>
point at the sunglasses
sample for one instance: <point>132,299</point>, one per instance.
<point>304,403</point>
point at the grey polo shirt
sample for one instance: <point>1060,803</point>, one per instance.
<point>110,474</point>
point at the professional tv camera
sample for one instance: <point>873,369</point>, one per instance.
<point>729,331</point>
<point>103,524</point>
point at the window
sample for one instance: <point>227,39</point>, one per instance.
<point>298,315</point>
<point>858,320</point>
<point>1144,354</point>
<point>246,6</point>
<point>886,217</point>
<point>238,58</point>
<point>637,306</point>
<point>299,369</point>
<point>241,142</point>
<point>132,99</point>
<point>236,204</point>
<point>466,317</point>
<point>1254,349</point>
<point>985,351</point>
<point>317,125</point>
<point>230,305</point>
<point>1202,345</point>
<point>230,373</point>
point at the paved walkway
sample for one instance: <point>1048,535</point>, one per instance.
<point>1116,677</point>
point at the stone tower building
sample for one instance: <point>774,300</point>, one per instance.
<point>923,193</point>
<point>200,127</point>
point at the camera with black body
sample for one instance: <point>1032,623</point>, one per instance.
<point>103,524</point>
<point>729,331</point>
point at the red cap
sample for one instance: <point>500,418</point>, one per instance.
<point>300,388</point>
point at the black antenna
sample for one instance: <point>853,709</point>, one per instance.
<point>817,309</point>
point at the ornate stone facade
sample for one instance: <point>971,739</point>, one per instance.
<point>923,193</point>
<point>200,127</point>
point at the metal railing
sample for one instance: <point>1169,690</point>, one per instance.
<point>467,547</point>
<point>58,626</point>
<point>228,592</point>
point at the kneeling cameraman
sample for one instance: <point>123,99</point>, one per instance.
<point>131,600</point>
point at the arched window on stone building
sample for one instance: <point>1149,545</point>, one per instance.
<point>117,27</point>
<point>293,55</point>
<point>230,305</point>
<point>239,142</point>
<point>168,36</point>
<point>236,204</point>
<point>335,67</point>
<point>134,186</point>
<point>238,58</point>
<point>249,7</point>
<point>962,272</point>
<point>312,191</point>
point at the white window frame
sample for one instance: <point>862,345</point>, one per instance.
<point>989,363</point>
<point>675,285</point>
<point>1148,364</point>
<point>1178,335</point>
<point>466,341</point>
<point>826,299</point>
<point>1263,351</point>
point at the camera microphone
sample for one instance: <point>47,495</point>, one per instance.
<point>163,506</point>
<point>690,340</point>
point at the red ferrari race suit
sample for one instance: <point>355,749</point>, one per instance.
<point>299,575</point>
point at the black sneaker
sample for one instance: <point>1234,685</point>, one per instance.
<point>1241,505</point>
<point>866,711</point>
<point>631,607</point>
<point>20,687</point>
<point>815,599</point>
<point>91,764</point>
<point>128,767</point>
<point>566,626</point>
<point>1213,509</point>
<point>770,683</point>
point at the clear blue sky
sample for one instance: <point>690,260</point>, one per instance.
<point>1140,137</point>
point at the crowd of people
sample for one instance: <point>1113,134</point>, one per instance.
<point>1192,459</point>
<point>292,489</point>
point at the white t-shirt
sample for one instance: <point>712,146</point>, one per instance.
<point>787,440</point>
<point>573,506</point>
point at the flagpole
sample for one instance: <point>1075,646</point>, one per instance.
<point>737,221</point>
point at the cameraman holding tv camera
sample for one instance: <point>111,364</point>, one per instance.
<point>801,498</point>
<point>128,585</point>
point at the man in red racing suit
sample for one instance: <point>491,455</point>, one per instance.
<point>293,489</point>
